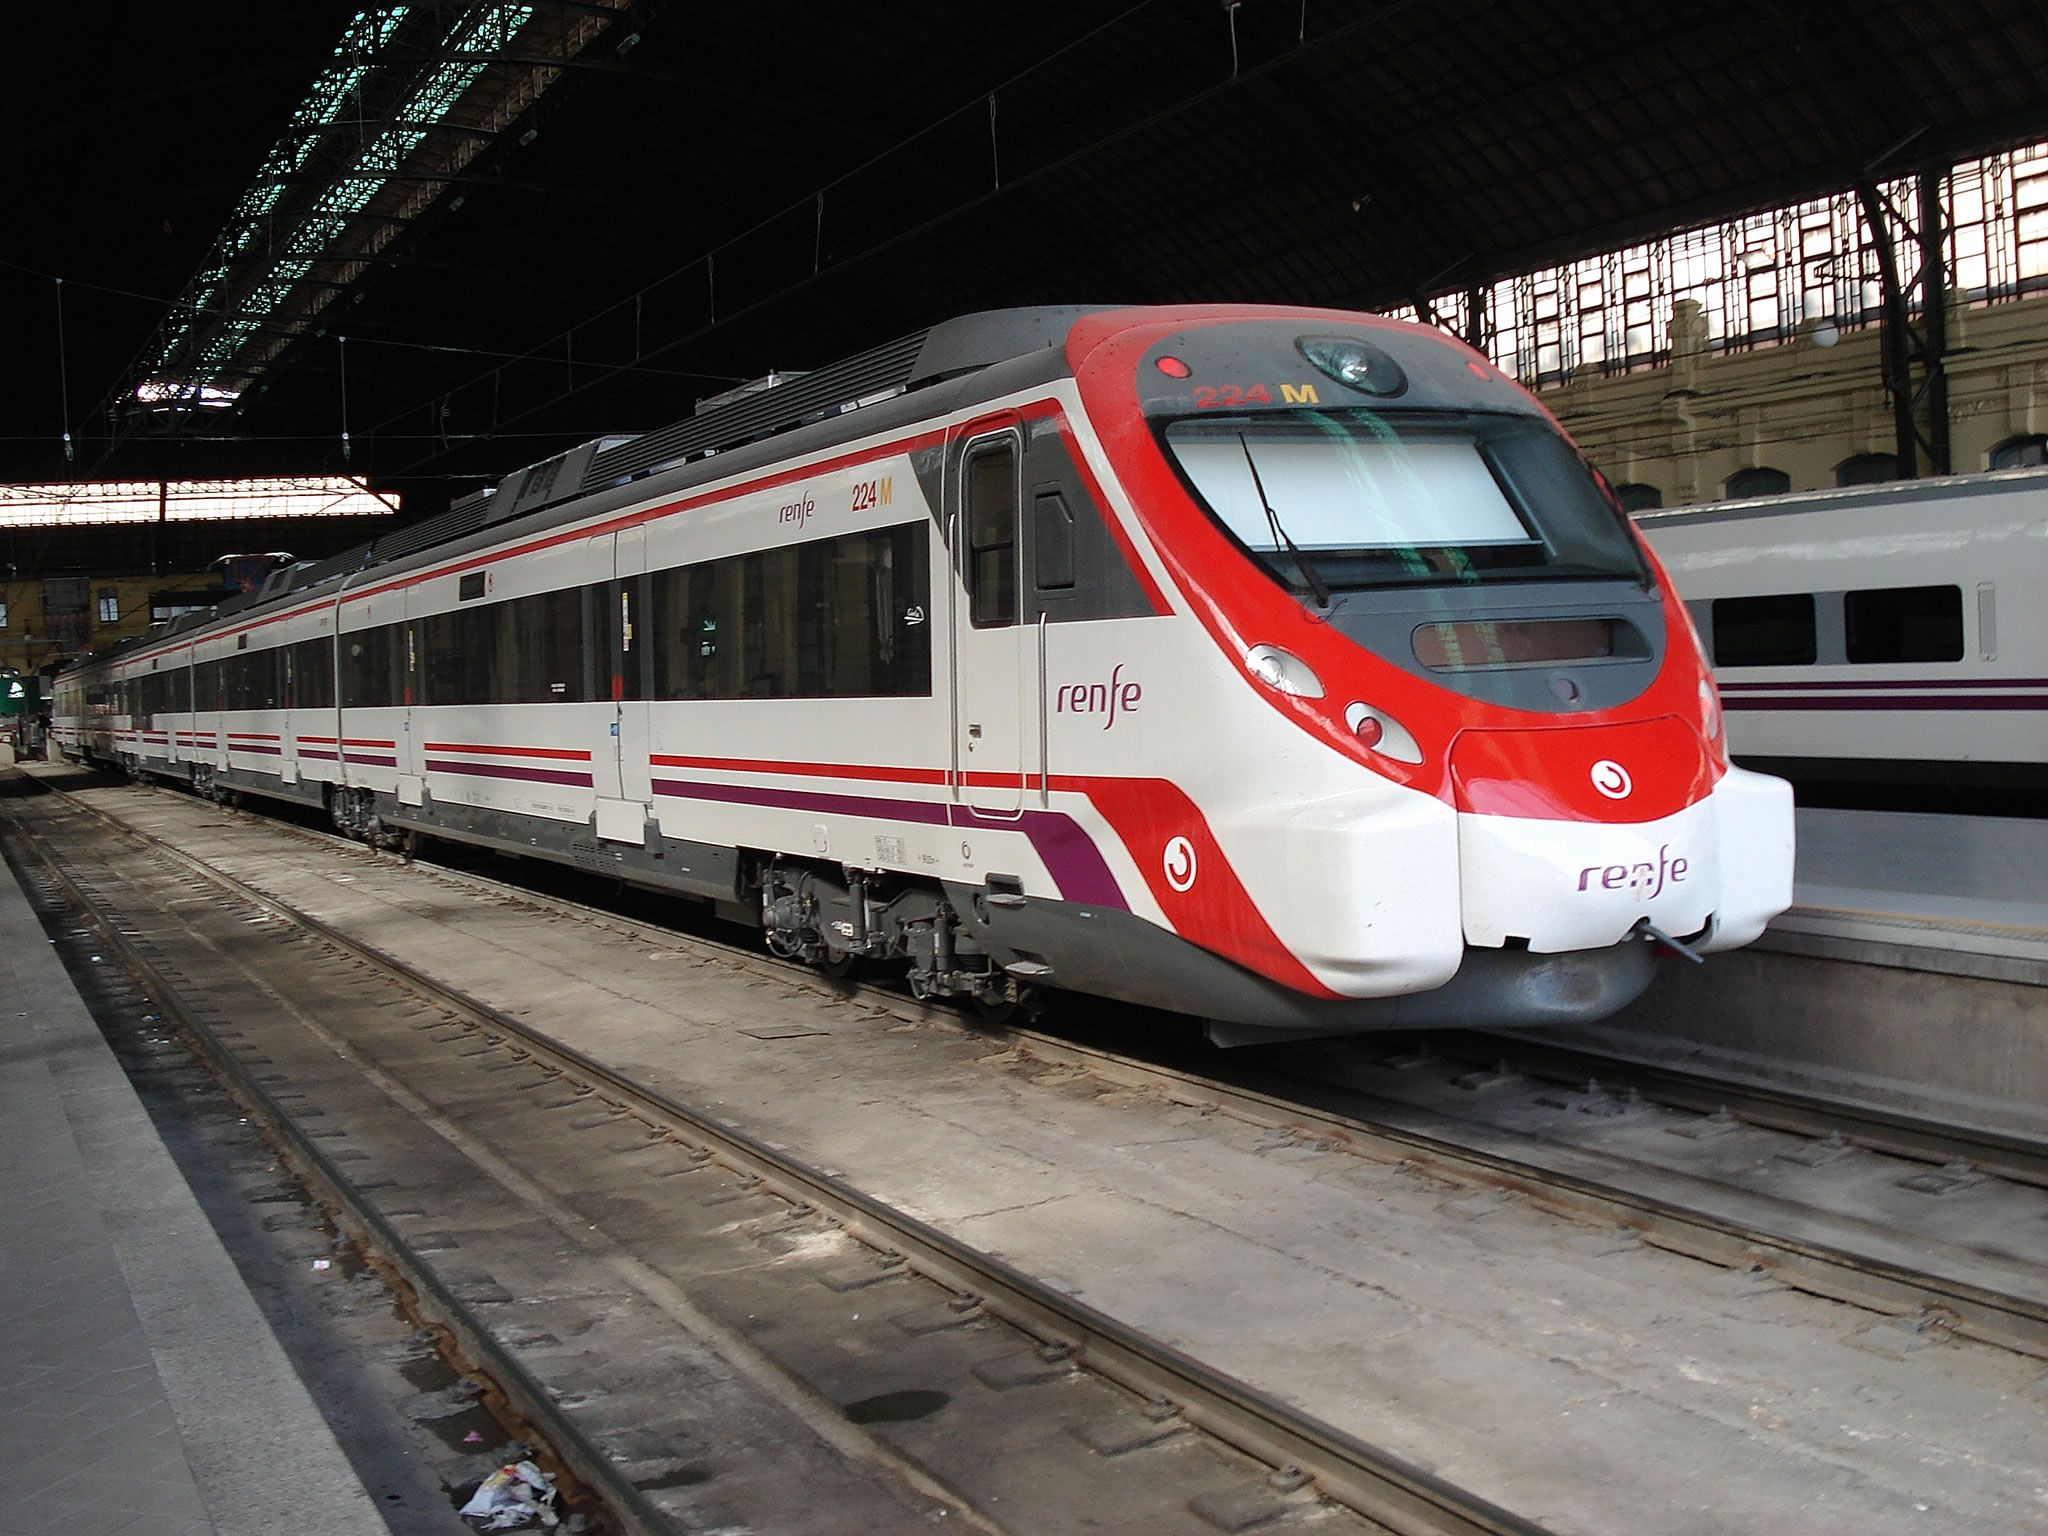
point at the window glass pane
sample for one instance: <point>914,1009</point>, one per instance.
<point>842,617</point>
<point>542,649</point>
<point>311,678</point>
<point>1760,481</point>
<point>1904,624</point>
<point>370,663</point>
<point>1637,497</point>
<point>1364,494</point>
<point>1775,631</point>
<point>990,482</point>
<point>1373,500</point>
<point>605,612</point>
<point>1867,469</point>
<point>2021,453</point>
<point>254,679</point>
<point>1052,541</point>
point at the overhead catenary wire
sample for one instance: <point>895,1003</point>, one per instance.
<point>63,373</point>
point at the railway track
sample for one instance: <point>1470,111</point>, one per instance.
<point>1274,1098</point>
<point>1322,1092</point>
<point>1261,1460</point>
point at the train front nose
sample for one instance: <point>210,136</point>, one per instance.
<point>1569,837</point>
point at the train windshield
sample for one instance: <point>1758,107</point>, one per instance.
<point>1356,498</point>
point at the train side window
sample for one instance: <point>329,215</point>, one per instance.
<point>830,618</point>
<point>254,679</point>
<point>1904,624</point>
<point>371,660</point>
<point>312,674</point>
<point>989,481</point>
<point>1052,542</point>
<point>540,649</point>
<point>1775,631</point>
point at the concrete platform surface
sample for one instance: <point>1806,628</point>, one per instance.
<point>141,1389</point>
<point>1966,884</point>
<point>1602,1387</point>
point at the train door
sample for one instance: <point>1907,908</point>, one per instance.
<point>989,718</point>
<point>619,757</point>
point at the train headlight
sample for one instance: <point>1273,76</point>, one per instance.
<point>1380,731</point>
<point>1283,672</point>
<point>1710,710</point>
<point>1355,363</point>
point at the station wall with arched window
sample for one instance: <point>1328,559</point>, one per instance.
<point>1867,469</point>
<point>1758,480</point>
<point>2028,451</point>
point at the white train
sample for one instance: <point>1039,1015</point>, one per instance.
<point>1890,634</point>
<point>1288,668</point>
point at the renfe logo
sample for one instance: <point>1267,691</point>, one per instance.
<point>1105,699</point>
<point>1643,879</point>
<point>1611,779</point>
<point>798,512</point>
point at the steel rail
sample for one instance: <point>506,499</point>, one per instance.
<point>2017,1158</point>
<point>1365,1478</point>
<point>1891,1132</point>
<point>1824,1269</point>
<point>435,1301</point>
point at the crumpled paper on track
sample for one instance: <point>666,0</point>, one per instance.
<point>511,1497</point>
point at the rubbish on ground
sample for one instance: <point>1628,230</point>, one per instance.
<point>323,1263</point>
<point>511,1496</point>
<point>472,1438</point>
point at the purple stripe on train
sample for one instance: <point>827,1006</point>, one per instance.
<point>1955,701</point>
<point>1923,684</point>
<point>1069,853</point>
<point>509,771</point>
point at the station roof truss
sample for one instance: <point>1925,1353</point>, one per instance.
<point>413,93</point>
<point>459,257</point>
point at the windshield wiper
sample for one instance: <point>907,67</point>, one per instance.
<point>1301,561</point>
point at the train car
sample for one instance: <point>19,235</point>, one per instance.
<point>1288,668</point>
<point>1888,635</point>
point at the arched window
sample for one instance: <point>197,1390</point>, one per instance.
<point>1638,497</point>
<point>1758,480</point>
<point>1867,469</point>
<point>2029,452</point>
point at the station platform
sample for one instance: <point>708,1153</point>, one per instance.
<point>1959,894</point>
<point>1910,975</point>
<point>144,1389</point>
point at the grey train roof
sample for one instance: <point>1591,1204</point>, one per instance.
<point>573,484</point>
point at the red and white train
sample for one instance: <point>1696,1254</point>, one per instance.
<point>1288,668</point>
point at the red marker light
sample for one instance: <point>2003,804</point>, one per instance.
<point>1370,730</point>
<point>1173,367</point>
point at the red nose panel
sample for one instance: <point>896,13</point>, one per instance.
<point>1637,772</point>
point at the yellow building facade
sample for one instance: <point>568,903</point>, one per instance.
<point>1804,407</point>
<point>47,618</point>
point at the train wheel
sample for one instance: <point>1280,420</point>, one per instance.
<point>996,1013</point>
<point>842,965</point>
